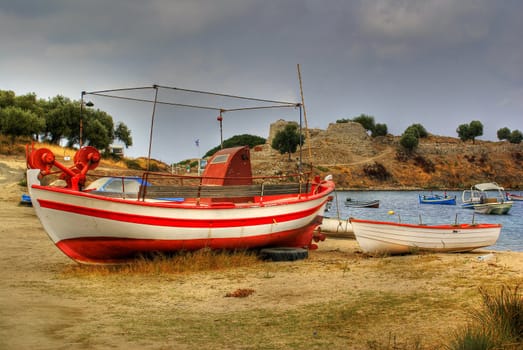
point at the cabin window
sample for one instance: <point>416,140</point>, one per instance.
<point>220,159</point>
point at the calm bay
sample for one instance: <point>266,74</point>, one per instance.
<point>406,208</point>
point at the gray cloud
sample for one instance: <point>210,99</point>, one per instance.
<point>436,62</point>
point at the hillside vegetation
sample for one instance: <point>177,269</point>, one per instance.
<point>358,161</point>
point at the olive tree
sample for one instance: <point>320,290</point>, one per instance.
<point>60,112</point>
<point>503,133</point>
<point>515,137</point>
<point>287,140</point>
<point>367,121</point>
<point>475,129</point>
<point>15,121</point>
<point>418,130</point>
<point>123,134</point>
<point>379,130</point>
<point>470,131</point>
<point>409,140</point>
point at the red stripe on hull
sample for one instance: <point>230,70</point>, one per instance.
<point>175,222</point>
<point>101,250</point>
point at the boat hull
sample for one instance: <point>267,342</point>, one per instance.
<point>96,229</point>
<point>363,204</point>
<point>493,208</point>
<point>377,237</point>
<point>515,197</point>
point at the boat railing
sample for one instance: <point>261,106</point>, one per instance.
<point>227,191</point>
<point>184,186</point>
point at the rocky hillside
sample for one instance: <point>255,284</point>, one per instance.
<point>358,161</point>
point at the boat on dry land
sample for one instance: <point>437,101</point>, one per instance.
<point>224,208</point>
<point>380,237</point>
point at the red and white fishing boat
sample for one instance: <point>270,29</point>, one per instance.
<point>107,227</point>
<point>225,208</point>
<point>400,238</point>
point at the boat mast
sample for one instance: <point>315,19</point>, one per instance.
<point>307,136</point>
<point>155,87</point>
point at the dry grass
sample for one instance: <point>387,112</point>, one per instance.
<point>339,298</point>
<point>498,324</point>
<point>161,264</point>
<point>398,291</point>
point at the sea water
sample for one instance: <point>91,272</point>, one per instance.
<point>404,206</point>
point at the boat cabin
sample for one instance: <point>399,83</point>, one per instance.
<point>230,166</point>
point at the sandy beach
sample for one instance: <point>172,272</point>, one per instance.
<point>43,305</point>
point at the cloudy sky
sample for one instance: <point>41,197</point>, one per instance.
<point>440,63</point>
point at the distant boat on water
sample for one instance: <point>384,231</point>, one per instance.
<point>437,199</point>
<point>514,197</point>
<point>349,202</point>
<point>486,198</point>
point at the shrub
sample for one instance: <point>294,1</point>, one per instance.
<point>498,325</point>
<point>409,140</point>
<point>426,164</point>
<point>402,156</point>
<point>367,121</point>
<point>471,158</point>
<point>503,312</point>
<point>515,137</point>
<point>380,130</point>
<point>238,140</point>
<point>473,338</point>
<point>377,171</point>
<point>154,167</point>
<point>503,133</point>
<point>133,164</point>
<point>418,129</point>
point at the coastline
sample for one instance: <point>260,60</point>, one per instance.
<point>339,297</point>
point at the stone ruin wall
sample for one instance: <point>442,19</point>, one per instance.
<point>343,143</point>
<point>457,147</point>
<point>339,144</point>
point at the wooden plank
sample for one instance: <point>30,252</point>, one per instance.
<point>230,191</point>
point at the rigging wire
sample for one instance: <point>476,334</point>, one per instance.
<point>218,109</point>
<point>221,110</point>
<point>225,95</point>
<point>109,94</point>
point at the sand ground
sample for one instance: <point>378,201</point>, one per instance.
<point>44,307</point>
